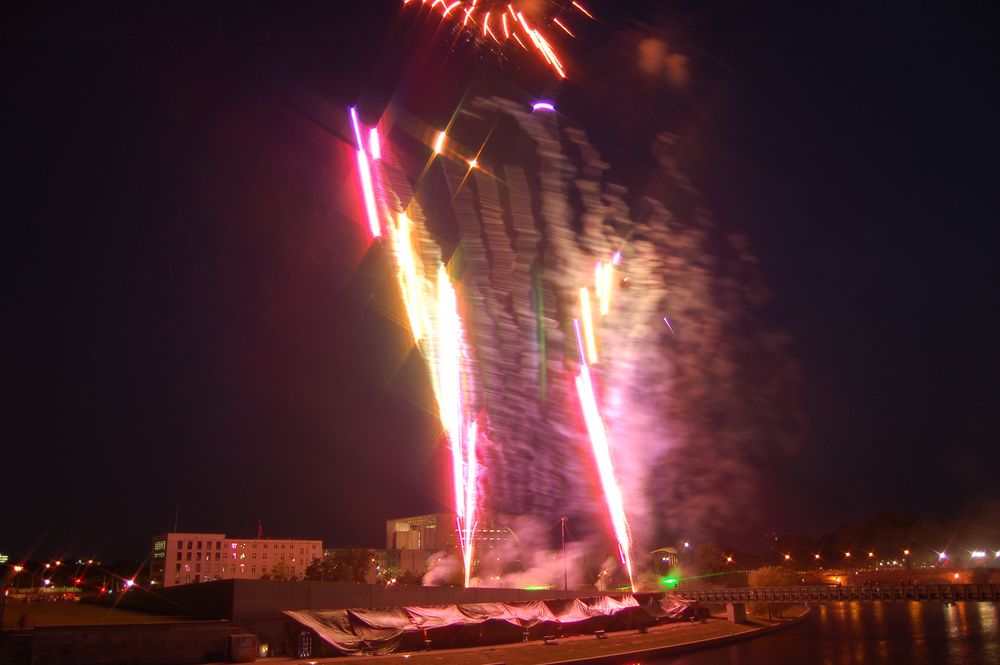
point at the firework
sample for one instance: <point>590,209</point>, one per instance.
<point>602,455</point>
<point>365,175</point>
<point>588,325</point>
<point>478,19</point>
<point>432,311</point>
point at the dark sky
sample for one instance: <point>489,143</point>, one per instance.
<point>193,320</point>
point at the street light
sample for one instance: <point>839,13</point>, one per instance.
<point>816,556</point>
<point>847,554</point>
<point>871,554</point>
<point>906,552</point>
<point>788,557</point>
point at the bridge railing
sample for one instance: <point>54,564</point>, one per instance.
<point>819,593</point>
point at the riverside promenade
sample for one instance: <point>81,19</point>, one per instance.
<point>618,647</point>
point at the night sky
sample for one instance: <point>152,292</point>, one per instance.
<point>193,320</point>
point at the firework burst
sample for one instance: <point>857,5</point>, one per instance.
<point>497,25</point>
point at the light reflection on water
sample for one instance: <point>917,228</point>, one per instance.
<point>864,633</point>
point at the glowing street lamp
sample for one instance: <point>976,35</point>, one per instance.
<point>906,552</point>
<point>847,555</point>
<point>871,554</point>
<point>18,569</point>
<point>729,559</point>
<point>788,557</point>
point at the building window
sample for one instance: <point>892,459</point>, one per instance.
<point>265,555</point>
<point>197,556</point>
<point>243,555</point>
<point>216,556</point>
<point>253,569</point>
<point>180,544</point>
<point>178,567</point>
<point>199,544</point>
<point>190,544</point>
<point>188,556</point>
<point>241,568</point>
<point>254,555</point>
<point>197,567</point>
<point>218,544</point>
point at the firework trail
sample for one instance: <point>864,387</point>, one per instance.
<point>435,323</point>
<point>543,282</point>
<point>511,21</point>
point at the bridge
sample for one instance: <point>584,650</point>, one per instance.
<point>799,594</point>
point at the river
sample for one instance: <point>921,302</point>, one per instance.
<point>864,633</point>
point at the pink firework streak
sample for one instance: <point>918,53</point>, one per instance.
<point>461,431</point>
<point>602,455</point>
<point>365,175</point>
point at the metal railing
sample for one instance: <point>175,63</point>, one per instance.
<point>930,592</point>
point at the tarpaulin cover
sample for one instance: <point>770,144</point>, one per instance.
<point>403,628</point>
<point>675,607</point>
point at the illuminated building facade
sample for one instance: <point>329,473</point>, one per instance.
<point>189,558</point>
<point>410,541</point>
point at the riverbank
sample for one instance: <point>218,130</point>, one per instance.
<point>586,650</point>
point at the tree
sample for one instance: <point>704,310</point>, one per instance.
<point>771,576</point>
<point>410,577</point>
<point>708,558</point>
<point>347,565</point>
<point>279,571</point>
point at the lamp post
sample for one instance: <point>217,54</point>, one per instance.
<point>562,529</point>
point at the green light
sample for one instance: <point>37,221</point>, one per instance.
<point>669,581</point>
<point>538,587</point>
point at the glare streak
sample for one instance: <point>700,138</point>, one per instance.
<point>588,325</point>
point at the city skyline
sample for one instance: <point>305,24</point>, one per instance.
<point>200,322</point>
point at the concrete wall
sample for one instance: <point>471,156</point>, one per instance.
<point>263,600</point>
<point>211,600</point>
<point>134,644</point>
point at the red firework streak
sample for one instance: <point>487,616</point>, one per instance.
<point>479,19</point>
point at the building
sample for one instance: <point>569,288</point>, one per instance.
<point>430,533</point>
<point>189,558</point>
<point>410,541</point>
